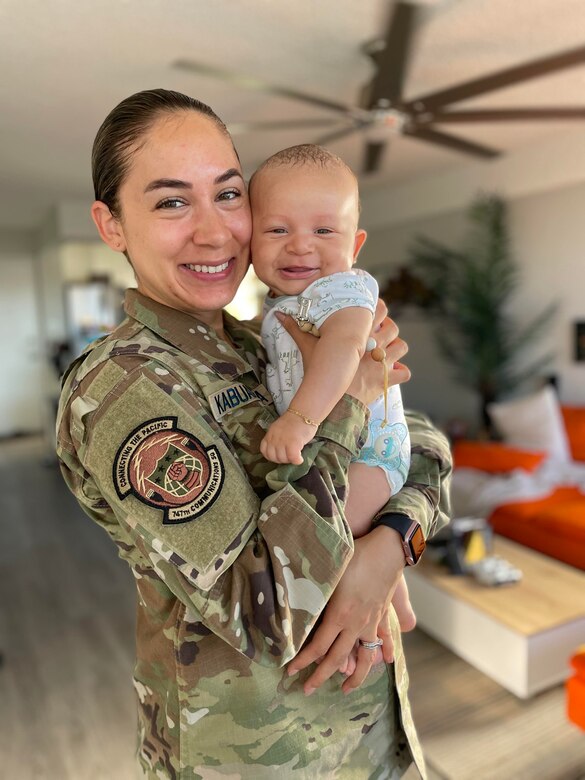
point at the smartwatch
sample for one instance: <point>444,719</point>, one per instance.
<point>413,541</point>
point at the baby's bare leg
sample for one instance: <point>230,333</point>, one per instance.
<point>368,492</point>
<point>403,607</point>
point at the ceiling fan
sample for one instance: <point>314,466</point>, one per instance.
<point>382,104</point>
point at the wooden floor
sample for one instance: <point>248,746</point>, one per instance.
<point>66,633</point>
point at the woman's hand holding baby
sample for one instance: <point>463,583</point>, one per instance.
<point>368,383</point>
<point>357,610</point>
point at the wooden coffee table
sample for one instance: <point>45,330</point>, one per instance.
<point>520,635</point>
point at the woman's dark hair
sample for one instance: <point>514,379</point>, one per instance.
<point>121,133</point>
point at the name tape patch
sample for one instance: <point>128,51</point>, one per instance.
<point>168,468</point>
<point>229,398</point>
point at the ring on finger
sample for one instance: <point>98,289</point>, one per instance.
<point>371,645</point>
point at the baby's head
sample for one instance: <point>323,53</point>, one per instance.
<point>305,212</point>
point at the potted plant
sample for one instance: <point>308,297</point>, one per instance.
<point>473,289</point>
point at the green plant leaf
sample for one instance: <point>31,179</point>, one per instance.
<point>474,290</point>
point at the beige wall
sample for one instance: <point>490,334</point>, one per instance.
<point>548,237</point>
<point>79,260</point>
<point>21,352</point>
<point>548,241</point>
<point>33,271</point>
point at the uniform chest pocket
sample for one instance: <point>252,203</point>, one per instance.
<point>245,428</point>
<point>244,411</point>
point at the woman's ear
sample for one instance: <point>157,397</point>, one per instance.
<point>108,226</point>
<point>360,240</point>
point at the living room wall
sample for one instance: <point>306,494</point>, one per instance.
<point>22,355</point>
<point>544,185</point>
<point>547,237</point>
<point>34,268</point>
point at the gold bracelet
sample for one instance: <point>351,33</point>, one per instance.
<point>306,420</point>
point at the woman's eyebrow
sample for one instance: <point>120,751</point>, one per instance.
<point>229,174</point>
<point>159,184</point>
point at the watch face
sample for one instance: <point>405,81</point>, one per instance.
<point>417,545</point>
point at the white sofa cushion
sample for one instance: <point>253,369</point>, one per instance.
<point>533,422</point>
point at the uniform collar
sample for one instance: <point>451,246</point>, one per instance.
<point>190,335</point>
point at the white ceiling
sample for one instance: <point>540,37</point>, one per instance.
<point>66,63</point>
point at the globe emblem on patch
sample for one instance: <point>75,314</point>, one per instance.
<point>169,467</point>
<point>183,475</point>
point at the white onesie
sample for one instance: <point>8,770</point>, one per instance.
<point>388,446</point>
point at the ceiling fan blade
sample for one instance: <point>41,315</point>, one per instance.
<point>451,142</point>
<point>392,61</point>
<point>249,82</point>
<point>508,114</point>
<point>503,78</point>
<point>336,135</point>
<point>373,154</point>
<point>236,128</point>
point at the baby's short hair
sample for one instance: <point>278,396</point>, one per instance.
<point>311,155</point>
<point>304,154</point>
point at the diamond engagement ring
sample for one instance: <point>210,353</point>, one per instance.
<point>372,645</point>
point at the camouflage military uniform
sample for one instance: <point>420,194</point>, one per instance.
<point>234,558</point>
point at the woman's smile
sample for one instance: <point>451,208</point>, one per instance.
<point>208,269</point>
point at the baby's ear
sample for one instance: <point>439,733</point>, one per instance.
<point>360,240</point>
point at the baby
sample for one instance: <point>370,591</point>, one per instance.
<point>305,241</point>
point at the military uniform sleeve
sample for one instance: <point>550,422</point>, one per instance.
<point>159,470</point>
<point>425,495</point>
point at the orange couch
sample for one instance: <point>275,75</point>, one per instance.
<point>554,525</point>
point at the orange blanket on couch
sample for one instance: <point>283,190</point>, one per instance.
<point>554,525</point>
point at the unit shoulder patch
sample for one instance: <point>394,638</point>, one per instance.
<point>168,468</point>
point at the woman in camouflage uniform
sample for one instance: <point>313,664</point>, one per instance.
<point>235,559</point>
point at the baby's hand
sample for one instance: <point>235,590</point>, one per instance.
<point>285,439</point>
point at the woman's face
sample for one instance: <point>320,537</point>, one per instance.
<point>185,217</point>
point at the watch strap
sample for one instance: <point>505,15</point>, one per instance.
<point>395,520</point>
<point>413,542</point>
